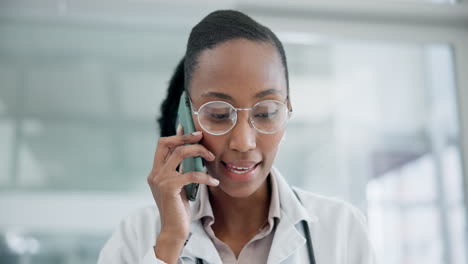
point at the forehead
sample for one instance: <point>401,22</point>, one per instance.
<point>240,68</point>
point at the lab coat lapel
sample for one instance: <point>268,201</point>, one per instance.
<point>200,245</point>
<point>288,238</point>
<point>286,241</point>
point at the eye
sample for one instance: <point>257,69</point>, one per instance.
<point>219,116</point>
<point>266,114</point>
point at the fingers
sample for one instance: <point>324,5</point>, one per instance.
<point>178,140</point>
<point>180,130</point>
<point>183,152</point>
<point>173,186</point>
<point>166,146</point>
<point>196,177</point>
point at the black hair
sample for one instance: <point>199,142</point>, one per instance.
<point>216,28</point>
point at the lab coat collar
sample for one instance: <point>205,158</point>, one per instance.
<point>205,210</point>
<point>291,208</point>
<point>287,237</point>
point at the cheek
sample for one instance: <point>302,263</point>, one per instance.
<point>268,144</point>
<point>196,124</point>
<point>273,140</point>
<point>213,143</point>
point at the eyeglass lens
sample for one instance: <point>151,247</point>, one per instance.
<point>219,117</point>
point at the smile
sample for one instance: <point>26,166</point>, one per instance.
<point>239,170</point>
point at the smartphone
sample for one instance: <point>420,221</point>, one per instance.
<point>184,116</point>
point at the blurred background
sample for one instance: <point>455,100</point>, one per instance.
<point>379,90</point>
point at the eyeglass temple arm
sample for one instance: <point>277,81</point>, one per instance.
<point>191,106</point>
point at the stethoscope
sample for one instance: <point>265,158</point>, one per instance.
<point>305,226</point>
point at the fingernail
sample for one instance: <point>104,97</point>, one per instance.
<point>211,154</point>
<point>215,181</point>
<point>179,129</point>
<point>196,133</point>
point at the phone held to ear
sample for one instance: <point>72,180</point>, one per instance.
<point>184,115</point>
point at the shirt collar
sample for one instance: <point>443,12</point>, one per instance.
<point>283,202</point>
<point>290,209</point>
<point>202,207</point>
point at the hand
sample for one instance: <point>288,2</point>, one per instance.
<point>167,183</point>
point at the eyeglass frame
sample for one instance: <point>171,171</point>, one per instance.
<point>251,122</point>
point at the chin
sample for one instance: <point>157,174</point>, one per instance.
<point>238,191</point>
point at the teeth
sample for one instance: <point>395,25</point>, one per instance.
<point>239,170</point>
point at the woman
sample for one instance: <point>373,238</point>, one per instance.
<point>236,76</point>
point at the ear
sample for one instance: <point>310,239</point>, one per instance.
<point>288,103</point>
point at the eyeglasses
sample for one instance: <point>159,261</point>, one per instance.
<point>219,117</point>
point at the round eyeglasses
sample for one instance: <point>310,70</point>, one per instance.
<point>219,117</point>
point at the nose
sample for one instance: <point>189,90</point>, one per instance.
<point>243,135</point>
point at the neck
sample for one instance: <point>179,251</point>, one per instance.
<point>235,216</point>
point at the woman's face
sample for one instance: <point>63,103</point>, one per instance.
<point>242,73</point>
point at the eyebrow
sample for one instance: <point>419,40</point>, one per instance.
<point>267,92</point>
<point>228,97</point>
<point>217,95</point>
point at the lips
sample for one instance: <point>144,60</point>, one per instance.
<point>240,168</point>
<point>240,165</point>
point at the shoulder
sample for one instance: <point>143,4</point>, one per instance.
<point>340,227</point>
<point>133,238</point>
<point>142,216</point>
<point>143,223</point>
<point>325,207</point>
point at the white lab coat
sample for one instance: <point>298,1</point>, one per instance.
<point>338,231</point>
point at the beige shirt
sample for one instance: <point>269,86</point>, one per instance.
<point>258,248</point>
